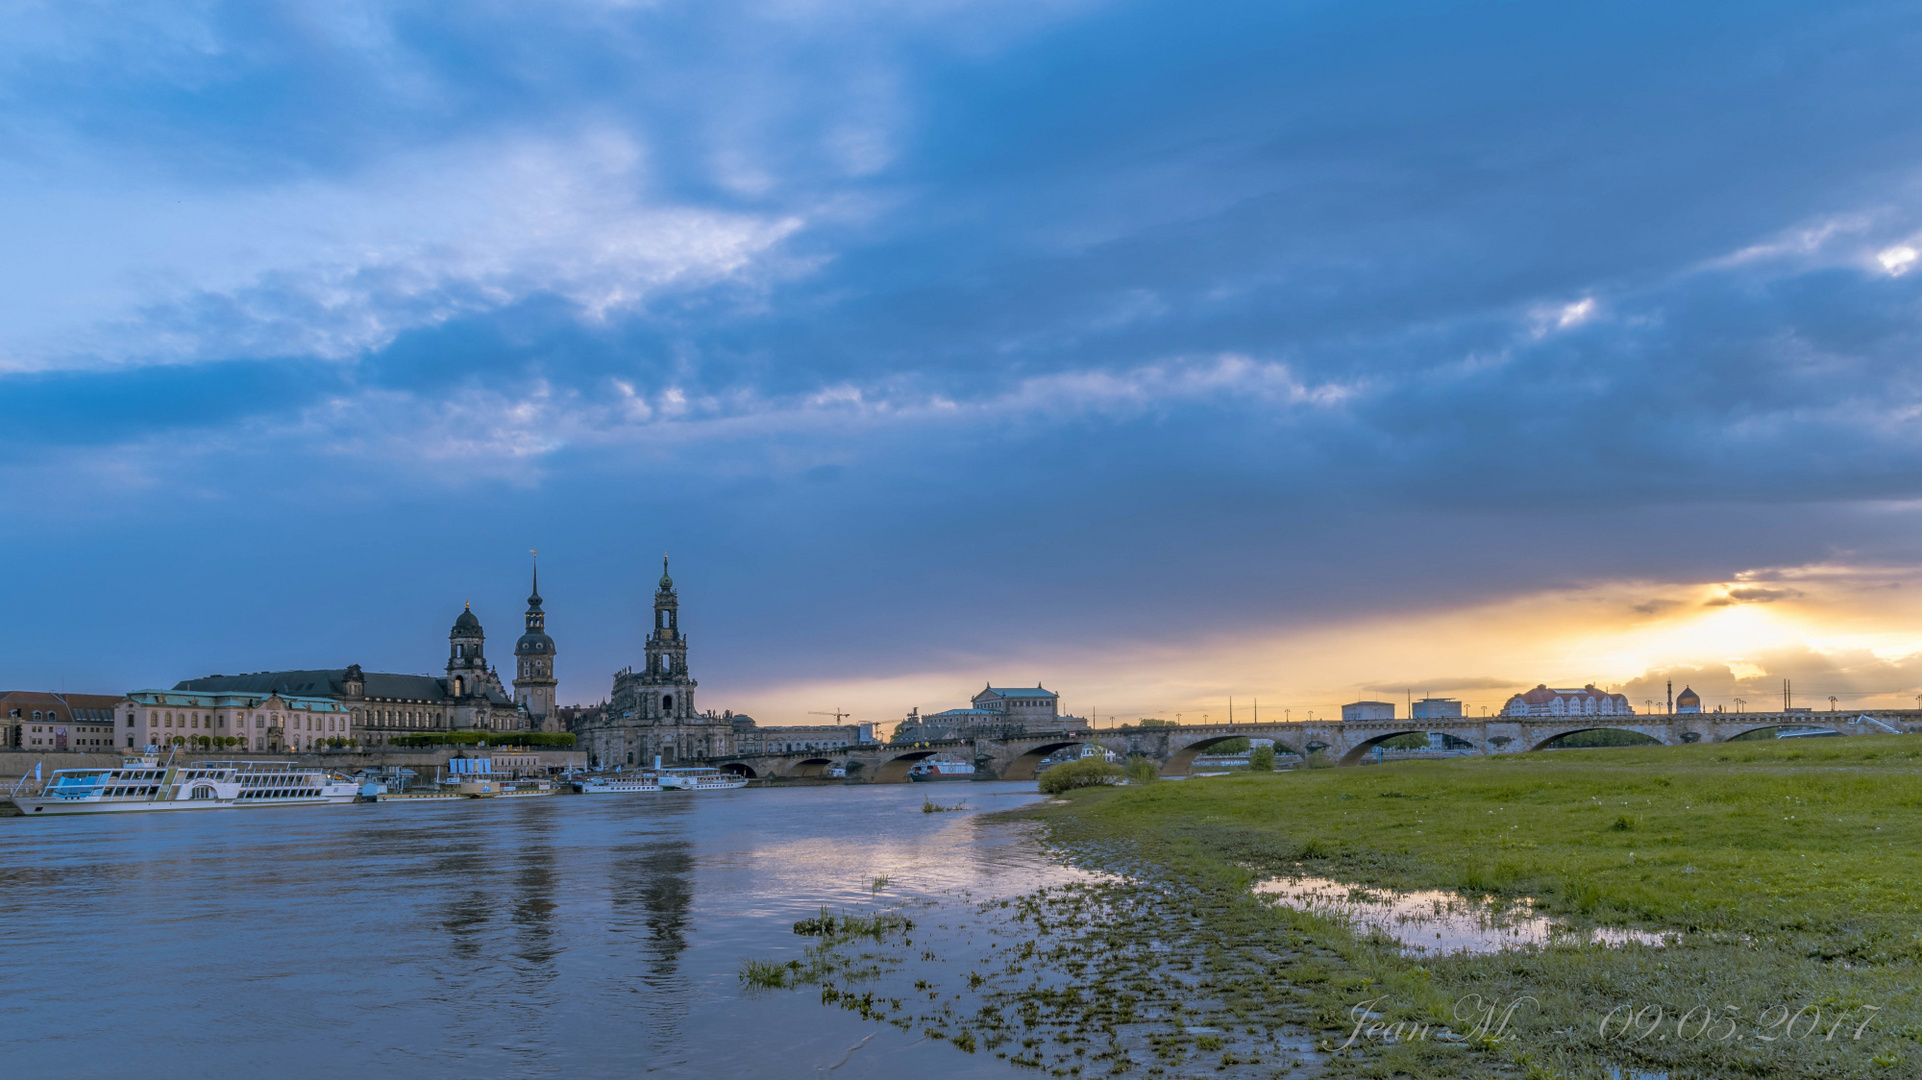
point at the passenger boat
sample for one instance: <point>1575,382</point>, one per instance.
<point>627,784</point>
<point>698,779</point>
<point>147,783</point>
<point>933,769</point>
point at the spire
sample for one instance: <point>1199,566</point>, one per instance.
<point>667,583</point>
<point>534,600</point>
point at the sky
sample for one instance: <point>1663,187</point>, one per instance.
<point>1177,357</point>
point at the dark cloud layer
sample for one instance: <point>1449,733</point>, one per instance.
<point>1100,325</point>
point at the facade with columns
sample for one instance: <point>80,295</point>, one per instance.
<point>651,711</point>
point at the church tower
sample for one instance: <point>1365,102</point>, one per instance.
<point>667,694</point>
<point>466,664</point>
<point>534,662</point>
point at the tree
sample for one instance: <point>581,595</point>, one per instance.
<point>1141,770</point>
<point>1228,746</point>
<point>1261,759</point>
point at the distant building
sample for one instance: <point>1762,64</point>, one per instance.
<point>1587,701</point>
<point>469,698</point>
<point>995,711</point>
<point>1688,701</point>
<point>261,722</point>
<point>1437,708</point>
<point>1367,710</point>
<point>651,711</point>
<point>750,738</point>
<point>31,720</point>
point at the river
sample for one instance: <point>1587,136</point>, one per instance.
<point>576,936</point>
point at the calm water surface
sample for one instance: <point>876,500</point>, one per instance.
<point>590,936</point>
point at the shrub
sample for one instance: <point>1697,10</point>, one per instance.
<point>1141,770</point>
<point>1084,772</point>
<point>1261,759</point>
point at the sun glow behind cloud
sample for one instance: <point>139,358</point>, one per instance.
<point>1602,634</point>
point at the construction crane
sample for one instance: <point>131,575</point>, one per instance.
<point>837,714</point>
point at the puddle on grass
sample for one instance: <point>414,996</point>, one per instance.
<point>1431,921</point>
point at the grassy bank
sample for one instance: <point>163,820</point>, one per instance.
<point>1792,873</point>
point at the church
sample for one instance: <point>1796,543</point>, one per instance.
<point>470,697</point>
<point>651,712</point>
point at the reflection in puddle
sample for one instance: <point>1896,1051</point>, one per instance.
<point>1433,921</point>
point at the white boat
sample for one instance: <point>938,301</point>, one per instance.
<point>933,769</point>
<point>628,784</point>
<point>146,783</point>
<point>698,779</point>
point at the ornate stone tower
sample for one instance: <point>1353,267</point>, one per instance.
<point>667,694</point>
<point>466,664</point>
<point>534,663</point>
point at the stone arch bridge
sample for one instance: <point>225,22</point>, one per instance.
<point>1173,749</point>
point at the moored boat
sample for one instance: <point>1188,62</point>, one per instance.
<point>698,779</point>
<point>936,769</point>
<point>620,784</point>
<point>147,783</point>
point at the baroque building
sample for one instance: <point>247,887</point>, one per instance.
<point>380,705</point>
<point>651,712</point>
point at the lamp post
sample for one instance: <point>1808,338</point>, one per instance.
<point>1831,702</point>
<point>1741,703</point>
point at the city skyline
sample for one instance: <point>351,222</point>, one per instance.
<point>1294,354</point>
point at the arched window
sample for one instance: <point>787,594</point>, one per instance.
<point>667,703</point>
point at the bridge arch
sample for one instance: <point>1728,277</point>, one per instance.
<point>895,769</point>
<point>1655,740</point>
<point>1360,751</point>
<point>814,766</point>
<point>1023,767</point>
<point>739,768</point>
<point>1182,761</point>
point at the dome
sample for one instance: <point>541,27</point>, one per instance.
<point>667,583</point>
<point>534,644</point>
<point>1688,697</point>
<point>466,621</point>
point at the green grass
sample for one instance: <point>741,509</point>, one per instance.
<point>1793,872</point>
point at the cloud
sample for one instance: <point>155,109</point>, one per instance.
<point>1751,595</point>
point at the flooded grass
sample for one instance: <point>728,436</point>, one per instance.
<point>929,806</point>
<point>1782,881</point>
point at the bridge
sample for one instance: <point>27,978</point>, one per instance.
<point>1174,749</point>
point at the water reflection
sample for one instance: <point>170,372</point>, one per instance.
<point>591,936</point>
<point>1432,921</point>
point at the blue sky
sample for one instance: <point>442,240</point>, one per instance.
<point>1160,352</point>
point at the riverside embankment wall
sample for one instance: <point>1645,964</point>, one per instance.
<point>18,763</point>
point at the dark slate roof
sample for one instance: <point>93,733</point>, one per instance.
<point>1024,691</point>
<point>323,683</point>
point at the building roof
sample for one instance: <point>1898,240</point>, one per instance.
<point>228,700</point>
<point>1021,691</point>
<point>467,621</point>
<point>322,683</point>
<point>1688,697</point>
<point>1542,694</point>
<point>960,714</point>
<point>1389,704</point>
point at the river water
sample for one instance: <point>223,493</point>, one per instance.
<point>577,936</point>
